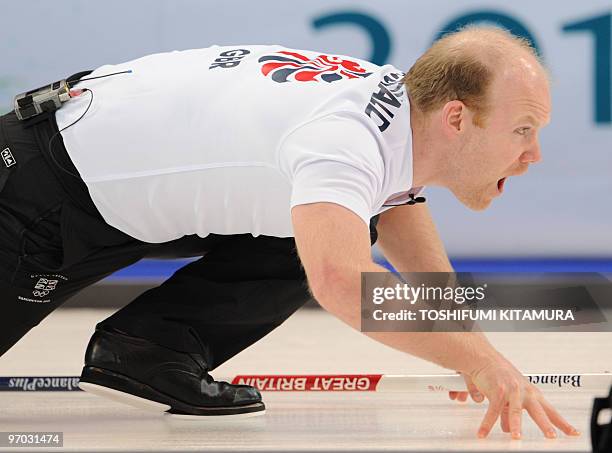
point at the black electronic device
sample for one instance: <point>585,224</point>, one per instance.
<point>601,431</point>
<point>410,202</point>
<point>50,97</point>
<point>44,99</point>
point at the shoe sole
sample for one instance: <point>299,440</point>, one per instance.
<point>123,389</point>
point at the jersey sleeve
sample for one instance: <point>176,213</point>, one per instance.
<point>335,160</point>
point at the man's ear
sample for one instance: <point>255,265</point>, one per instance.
<point>454,116</point>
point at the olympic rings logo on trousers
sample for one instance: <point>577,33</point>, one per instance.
<point>43,287</point>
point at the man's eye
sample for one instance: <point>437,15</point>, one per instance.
<point>522,130</point>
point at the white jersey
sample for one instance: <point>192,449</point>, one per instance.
<point>227,140</point>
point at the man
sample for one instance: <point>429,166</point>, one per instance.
<point>240,154</point>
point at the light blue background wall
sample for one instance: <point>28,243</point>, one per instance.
<point>561,208</point>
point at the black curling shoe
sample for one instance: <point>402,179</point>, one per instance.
<point>137,372</point>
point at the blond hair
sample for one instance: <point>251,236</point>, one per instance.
<point>460,66</point>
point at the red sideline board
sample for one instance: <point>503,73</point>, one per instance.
<point>311,383</point>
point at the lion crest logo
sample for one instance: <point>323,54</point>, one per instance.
<point>285,66</point>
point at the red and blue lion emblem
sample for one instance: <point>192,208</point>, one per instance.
<point>285,66</point>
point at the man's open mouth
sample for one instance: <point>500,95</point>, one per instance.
<point>500,185</point>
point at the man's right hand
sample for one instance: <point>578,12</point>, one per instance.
<point>334,246</point>
<point>509,392</point>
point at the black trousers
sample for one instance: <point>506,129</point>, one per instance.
<point>53,243</point>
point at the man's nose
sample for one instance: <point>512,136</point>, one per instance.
<point>532,155</point>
